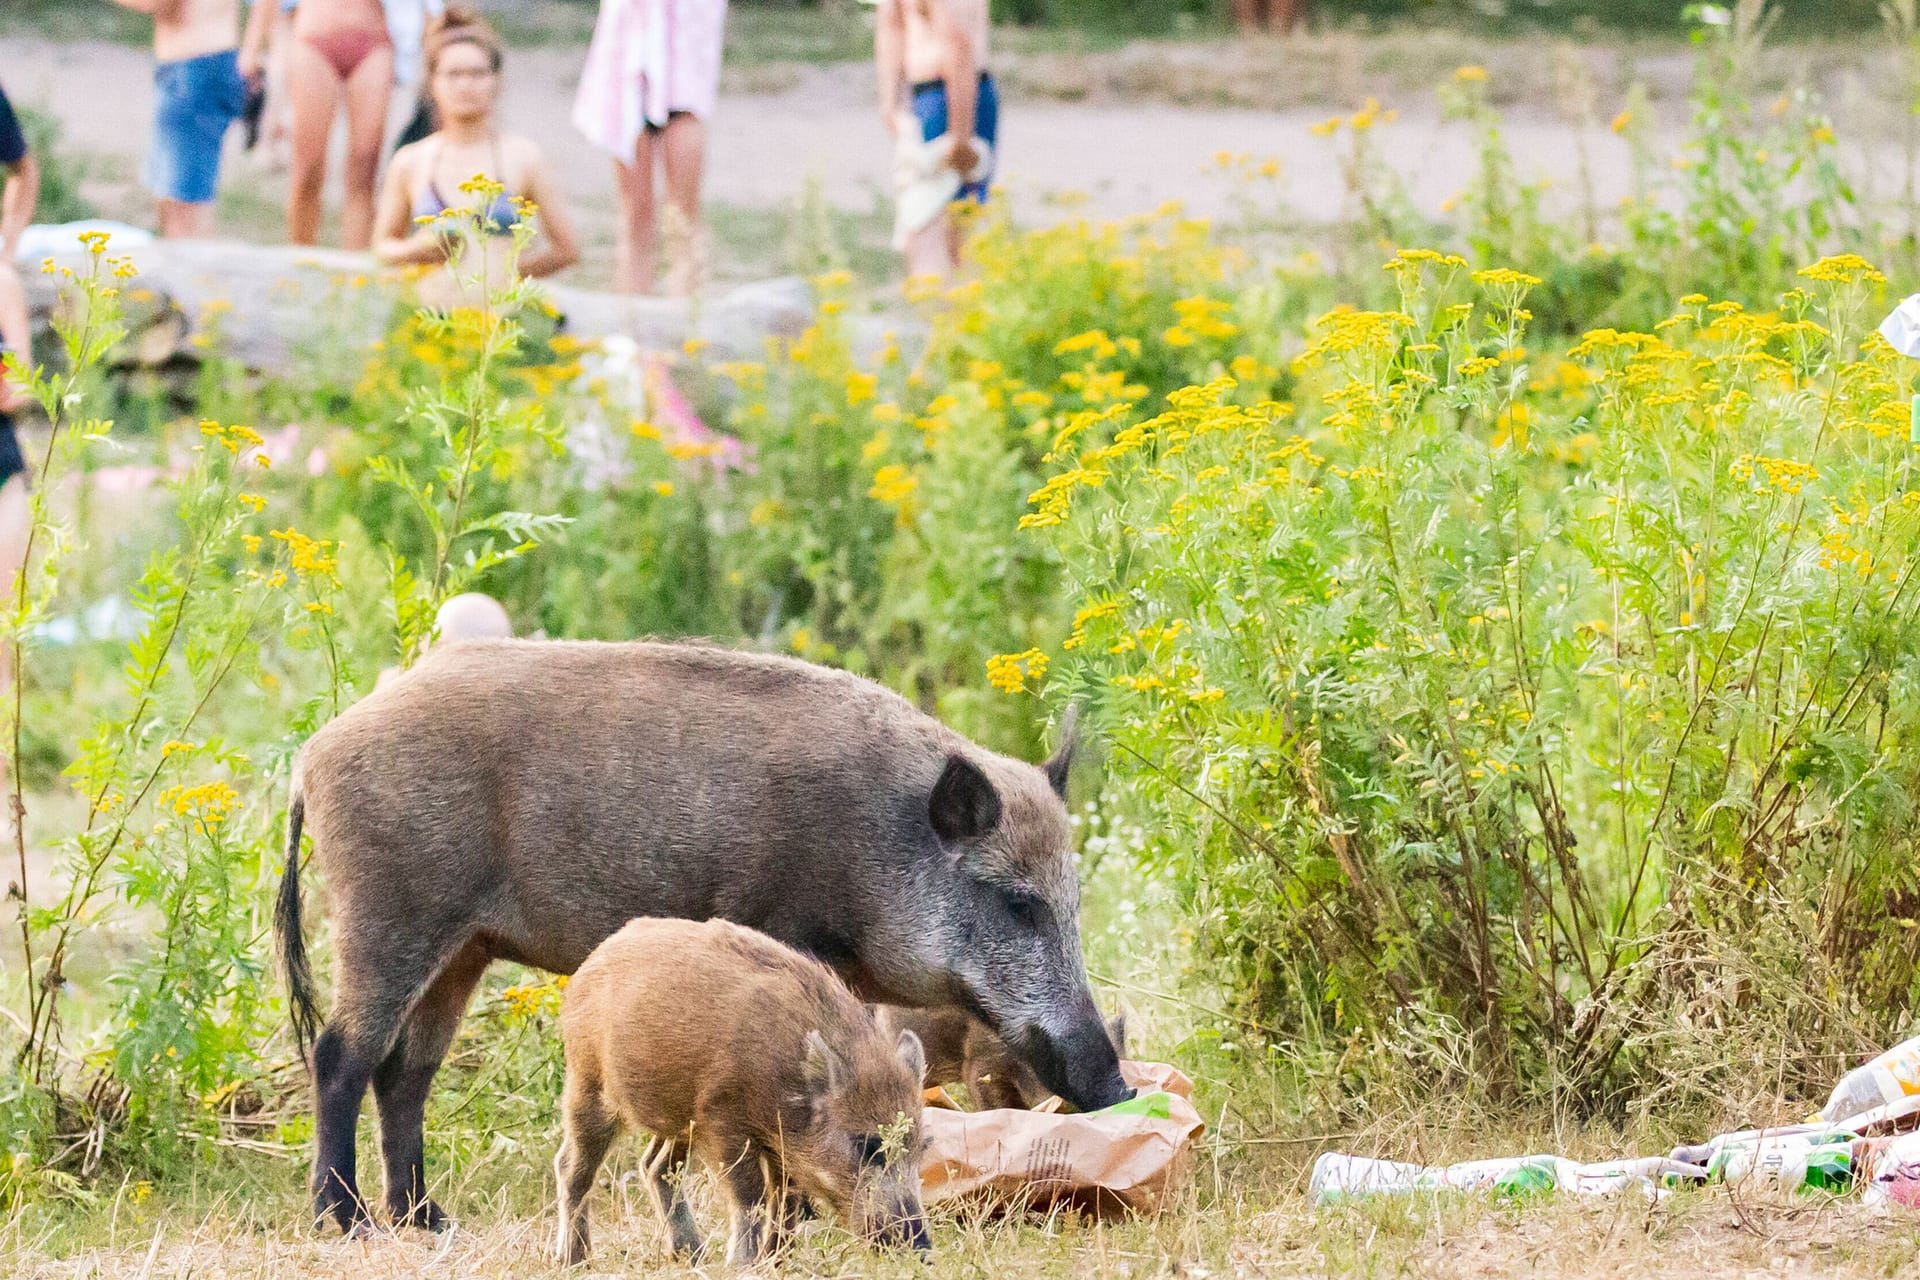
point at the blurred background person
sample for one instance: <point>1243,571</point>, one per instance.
<point>200,89</point>
<point>650,83</point>
<point>17,201</point>
<point>340,57</point>
<point>930,58</point>
<point>21,191</point>
<point>463,63</point>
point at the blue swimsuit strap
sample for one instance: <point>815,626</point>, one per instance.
<point>500,216</point>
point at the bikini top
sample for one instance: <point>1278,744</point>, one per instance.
<point>500,216</point>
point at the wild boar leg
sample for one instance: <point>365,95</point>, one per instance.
<point>666,1184</point>
<point>743,1173</point>
<point>383,971</point>
<point>404,1078</point>
<point>588,1129</point>
<point>790,1211</point>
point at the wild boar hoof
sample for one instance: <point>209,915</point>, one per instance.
<point>424,1214</point>
<point>363,1228</point>
<point>344,1209</point>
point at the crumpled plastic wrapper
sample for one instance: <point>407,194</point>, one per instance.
<point>1901,328</point>
<point>1129,1159</point>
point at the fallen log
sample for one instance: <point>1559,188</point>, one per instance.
<point>277,310</point>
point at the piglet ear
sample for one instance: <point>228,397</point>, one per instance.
<point>964,805</point>
<point>1117,1032</point>
<point>1060,764</point>
<point>912,1056</point>
<point>822,1067</point>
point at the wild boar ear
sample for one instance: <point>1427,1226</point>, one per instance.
<point>912,1056</point>
<point>1060,764</point>
<point>964,805</point>
<point>1117,1032</point>
<point>823,1068</point>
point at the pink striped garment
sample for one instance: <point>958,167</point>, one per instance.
<point>648,58</point>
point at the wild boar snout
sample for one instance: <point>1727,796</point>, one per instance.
<point>906,1226</point>
<point>1081,1066</point>
<point>865,1153</point>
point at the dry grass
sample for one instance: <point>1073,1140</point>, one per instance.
<point>1242,1233</point>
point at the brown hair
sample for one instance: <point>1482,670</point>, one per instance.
<point>460,25</point>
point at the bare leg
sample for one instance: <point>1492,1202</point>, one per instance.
<point>15,517</point>
<point>637,246</point>
<point>401,1085</point>
<point>666,1183</point>
<point>313,96</point>
<point>930,249</point>
<point>368,90</point>
<point>589,1129</point>
<point>182,221</point>
<point>684,158</point>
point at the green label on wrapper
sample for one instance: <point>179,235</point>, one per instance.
<point>1154,1106</point>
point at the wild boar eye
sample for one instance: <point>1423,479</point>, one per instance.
<point>871,1148</point>
<point>1023,907</point>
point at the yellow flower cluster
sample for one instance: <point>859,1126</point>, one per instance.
<point>1843,268</point>
<point>1783,474</point>
<point>234,438</point>
<point>1009,672</point>
<point>893,484</point>
<point>529,1000</point>
<point>1504,278</point>
<point>1369,115</point>
<point>209,803</point>
<point>308,557</point>
<point>1344,332</point>
<point>1199,318</point>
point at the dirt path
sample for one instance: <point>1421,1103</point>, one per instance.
<point>780,126</point>
<point>819,123</point>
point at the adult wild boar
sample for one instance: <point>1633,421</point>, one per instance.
<point>522,800</point>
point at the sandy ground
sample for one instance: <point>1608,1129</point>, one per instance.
<point>781,128</point>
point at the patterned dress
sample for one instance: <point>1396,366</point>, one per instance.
<point>648,60</point>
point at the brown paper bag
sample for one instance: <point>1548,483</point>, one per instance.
<point>1106,1164</point>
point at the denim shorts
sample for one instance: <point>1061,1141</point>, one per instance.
<point>196,99</point>
<point>930,108</point>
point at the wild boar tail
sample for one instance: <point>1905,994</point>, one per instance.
<point>293,944</point>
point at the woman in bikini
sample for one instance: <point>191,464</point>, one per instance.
<point>425,179</point>
<point>340,51</point>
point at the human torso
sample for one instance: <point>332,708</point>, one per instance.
<point>438,168</point>
<point>442,165</point>
<point>926,55</point>
<point>317,17</point>
<point>196,28</point>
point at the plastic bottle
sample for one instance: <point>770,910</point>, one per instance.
<point>1338,1177</point>
<point>1890,1077</point>
<point>1798,1162</point>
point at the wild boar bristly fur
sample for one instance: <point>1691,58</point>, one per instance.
<point>523,800</point>
<point>736,1049</point>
